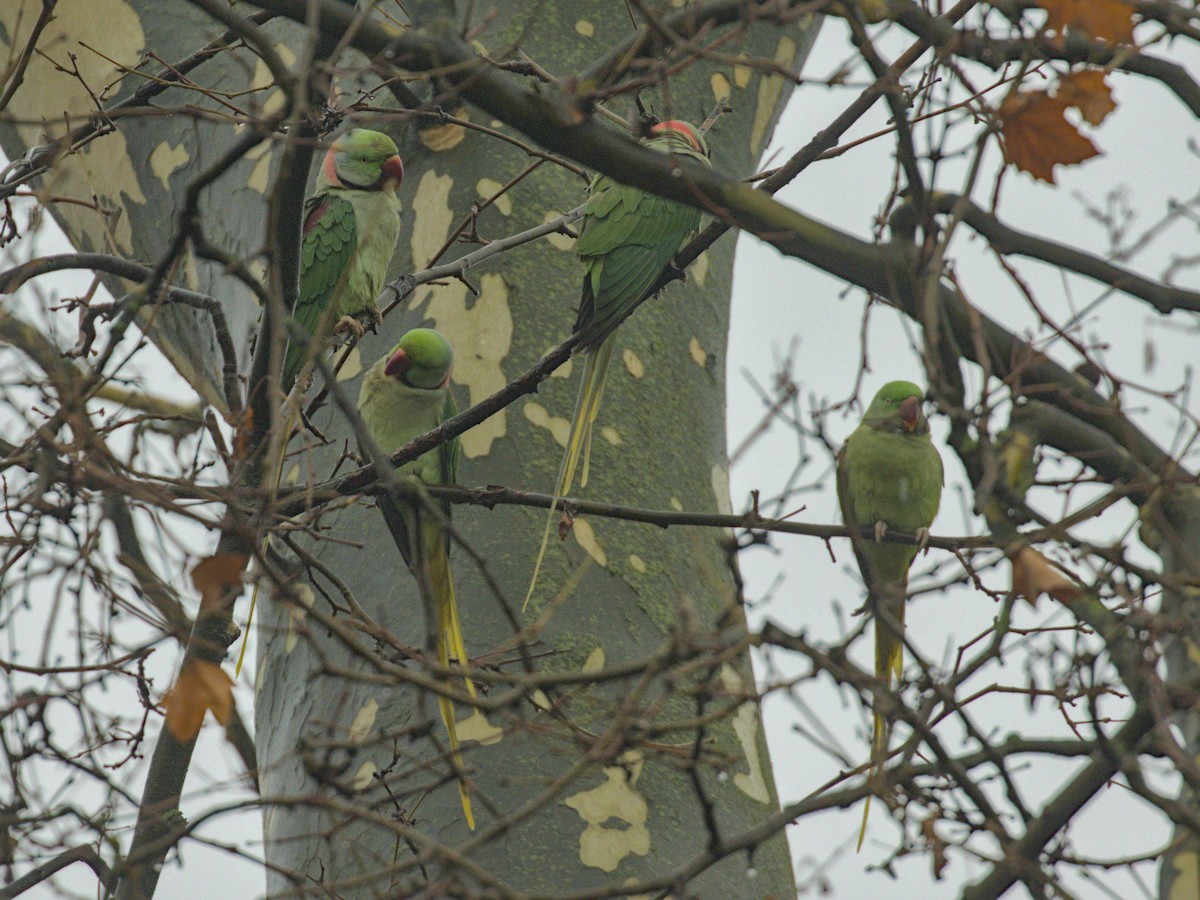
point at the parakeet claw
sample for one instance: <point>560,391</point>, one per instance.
<point>880,531</point>
<point>350,324</point>
<point>922,540</point>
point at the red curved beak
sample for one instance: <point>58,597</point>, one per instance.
<point>910,411</point>
<point>397,364</point>
<point>393,170</point>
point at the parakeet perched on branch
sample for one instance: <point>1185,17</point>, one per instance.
<point>889,477</point>
<point>628,238</point>
<point>405,394</point>
<point>351,224</point>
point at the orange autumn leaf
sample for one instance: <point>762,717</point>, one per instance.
<point>1089,93</point>
<point>242,433</point>
<point>1033,575</point>
<point>215,575</point>
<point>201,686</point>
<point>1036,136</point>
<point>1106,20</point>
<point>933,840</point>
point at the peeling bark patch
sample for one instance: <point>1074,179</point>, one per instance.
<point>364,721</point>
<point>557,241</point>
<point>632,363</point>
<point>741,74</point>
<point>165,159</point>
<point>260,174</point>
<point>637,564</point>
<point>585,28</point>
<point>476,727</point>
<point>559,428</point>
<point>482,337</point>
<point>103,170</point>
<point>263,79</point>
<point>745,726</point>
<point>603,847</point>
<point>352,366</point>
<point>297,613</point>
<point>720,87</point>
<point>482,333</point>
<point>586,538</point>
<point>769,89</point>
<point>699,354</point>
<point>610,434</point>
<point>365,775</point>
<point>441,138</point>
<point>488,188</point>
<point>1186,883</point>
<point>431,218</point>
<point>720,489</point>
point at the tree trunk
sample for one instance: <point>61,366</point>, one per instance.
<point>1177,522</point>
<point>610,806</point>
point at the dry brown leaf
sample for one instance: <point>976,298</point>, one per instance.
<point>1037,137</point>
<point>1105,20</point>
<point>1033,575</point>
<point>214,575</point>
<point>1088,92</point>
<point>242,434</point>
<point>938,859</point>
<point>201,686</point>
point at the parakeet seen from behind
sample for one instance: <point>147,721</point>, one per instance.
<point>628,238</point>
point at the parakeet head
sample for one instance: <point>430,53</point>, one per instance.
<point>364,160</point>
<point>897,408</point>
<point>421,360</point>
<point>684,134</point>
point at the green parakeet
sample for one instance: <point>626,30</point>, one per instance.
<point>627,239</point>
<point>889,477</point>
<point>350,229</point>
<point>405,394</point>
<point>351,224</point>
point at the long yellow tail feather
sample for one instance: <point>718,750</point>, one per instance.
<point>889,665</point>
<point>451,648</point>
<point>579,443</point>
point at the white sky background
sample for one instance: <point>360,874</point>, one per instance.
<point>778,301</point>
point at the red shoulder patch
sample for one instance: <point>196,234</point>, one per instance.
<point>316,214</point>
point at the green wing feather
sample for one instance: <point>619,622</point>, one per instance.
<point>326,253</point>
<point>628,238</point>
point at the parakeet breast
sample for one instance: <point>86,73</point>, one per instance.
<point>377,216</point>
<point>395,414</point>
<point>896,479</point>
